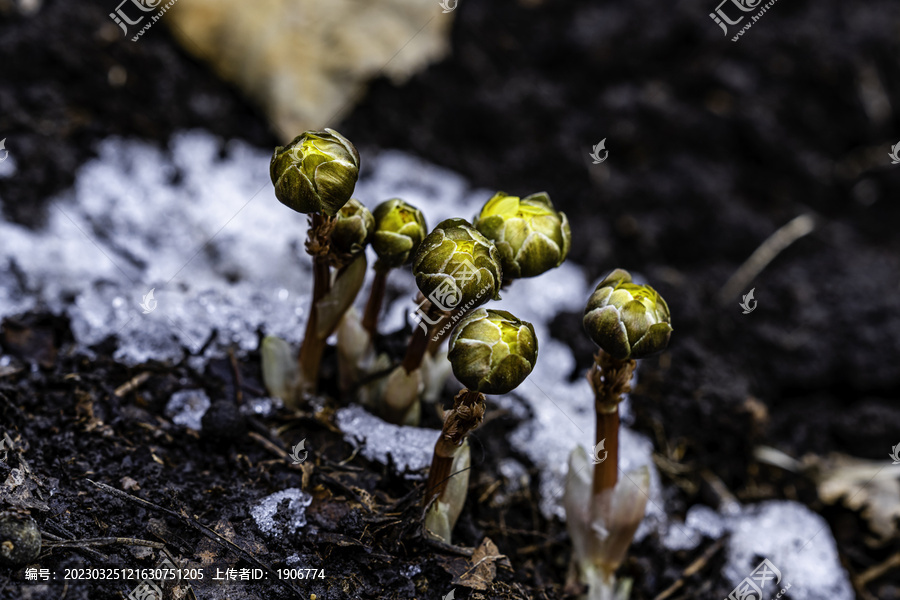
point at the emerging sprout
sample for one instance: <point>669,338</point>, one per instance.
<point>353,229</point>
<point>627,320</point>
<point>457,265</point>
<point>492,351</point>
<point>316,172</point>
<point>531,235</point>
<point>399,229</point>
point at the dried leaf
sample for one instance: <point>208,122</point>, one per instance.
<point>870,486</point>
<point>479,571</point>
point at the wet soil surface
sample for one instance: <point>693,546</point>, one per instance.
<point>713,145</point>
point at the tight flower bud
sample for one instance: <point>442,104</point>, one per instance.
<point>399,229</point>
<point>456,265</point>
<point>531,235</point>
<point>492,351</point>
<point>627,320</point>
<point>316,172</point>
<point>353,228</point>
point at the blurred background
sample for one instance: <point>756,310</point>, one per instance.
<point>714,143</point>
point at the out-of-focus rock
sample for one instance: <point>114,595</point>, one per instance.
<point>306,63</point>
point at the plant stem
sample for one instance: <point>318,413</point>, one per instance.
<point>610,379</point>
<point>435,344</point>
<point>310,357</point>
<point>420,338</point>
<point>376,298</point>
<point>466,415</point>
<point>606,474</point>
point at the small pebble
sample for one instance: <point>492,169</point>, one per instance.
<point>20,539</point>
<point>223,422</point>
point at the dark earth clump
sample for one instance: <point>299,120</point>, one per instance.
<point>713,146</point>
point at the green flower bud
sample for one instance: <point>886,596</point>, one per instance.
<point>627,320</point>
<point>353,228</point>
<point>492,351</point>
<point>316,172</point>
<point>456,265</point>
<point>530,234</point>
<point>399,229</point>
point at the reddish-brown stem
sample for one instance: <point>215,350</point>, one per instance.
<point>376,298</point>
<point>610,379</point>
<point>415,352</point>
<point>466,415</point>
<point>435,344</point>
<point>310,357</point>
<point>606,473</point>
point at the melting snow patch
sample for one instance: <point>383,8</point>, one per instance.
<point>197,223</point>
<point>701,521</point>
<point>261,407</point>
<point>794,539</point>
<point>797,541</point>
<point>410,447</point>
<point>292,517</point>
<point>187,408</point>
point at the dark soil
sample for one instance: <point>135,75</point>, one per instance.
<point>713,146</point>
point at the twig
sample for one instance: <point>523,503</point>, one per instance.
<point>693,568</point>
<point>132,384</point>
<point>112,541</point>
<point>344,488</point>
<point>762,256</point>
<point>728,502</point>
<point>201,528</point>
<point>9,370</point>
<point>449,548</point>
<point>272,447</point>
<point>236,373</point>
<point>98,556</point>
<point>877,571</point>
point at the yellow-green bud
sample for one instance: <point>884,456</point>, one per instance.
<point>627,320</point>
<point>531,235</point>
<point>457,266</point>
<point>399,229</point>
<point>492,351</point>
<point>316,172</point>
<point>353,228</point>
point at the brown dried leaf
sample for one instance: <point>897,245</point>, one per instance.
<point>870,486</point>
<point>479,571</point>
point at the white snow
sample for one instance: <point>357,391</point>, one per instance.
<point>291,517</point>
<point>794,539</point>
<point>8,166</point>
<point>187,408</point>
<point>410,447</point>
